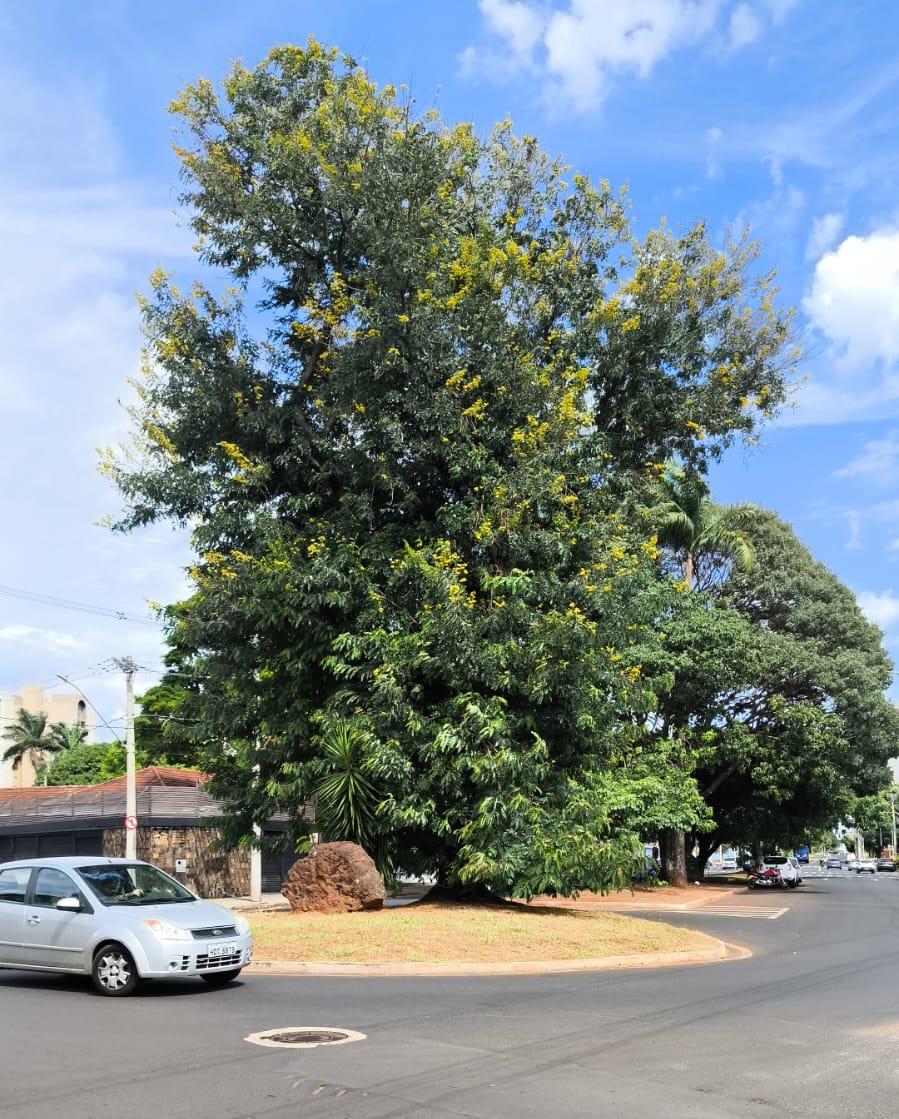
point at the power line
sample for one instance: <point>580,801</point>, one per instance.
<point>71,604</point>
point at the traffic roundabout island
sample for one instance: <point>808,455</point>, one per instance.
<point>448,938</point>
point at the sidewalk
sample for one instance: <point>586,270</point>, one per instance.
<point>664,899</point>
<point>272,903</point>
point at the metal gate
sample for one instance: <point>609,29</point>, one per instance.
<point>50,844</point>
<point>275,866</point>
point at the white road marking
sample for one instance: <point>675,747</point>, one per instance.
<point>754,912</point>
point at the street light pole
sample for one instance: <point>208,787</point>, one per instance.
<point>892,799</point>
<point>127,665</point>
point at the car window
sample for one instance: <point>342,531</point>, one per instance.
<point>51,885</point>
<point>14,883</point>
<point>775,860</point>
<point>133,884</point>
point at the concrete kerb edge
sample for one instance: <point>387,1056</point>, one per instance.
<point>719,952</point>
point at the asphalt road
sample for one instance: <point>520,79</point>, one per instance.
<point>808,1026</point>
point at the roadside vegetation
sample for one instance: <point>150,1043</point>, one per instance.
<point>440,423</point>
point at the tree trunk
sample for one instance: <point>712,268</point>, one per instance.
<point>688,570</point>
<point>707,844</point>
<point>675,858</point>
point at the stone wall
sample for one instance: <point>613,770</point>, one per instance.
<point>210,873</point>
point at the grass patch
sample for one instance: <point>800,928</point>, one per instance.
<point>448,933</point>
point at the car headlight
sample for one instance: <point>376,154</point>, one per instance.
<point>165,930</point>
<point>242,925</point>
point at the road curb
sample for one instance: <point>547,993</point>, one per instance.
<point>718,952</point>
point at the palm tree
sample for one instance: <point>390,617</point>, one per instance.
<point>66,735</point>
<point>705,536</point>
<point>29,736</point>
<point>347,797</point>
<point>708,540</point>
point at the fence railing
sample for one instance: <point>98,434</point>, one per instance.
<point>155,801</point>
<point>159,801</point>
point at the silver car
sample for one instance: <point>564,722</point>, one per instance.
<point>117,920</point>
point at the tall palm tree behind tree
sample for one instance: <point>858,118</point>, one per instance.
<point>29,737</point>
<point>707,540</point>
<point>705,536</point>
<point>66,735</point>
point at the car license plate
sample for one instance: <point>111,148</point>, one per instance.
<point>216,950</point>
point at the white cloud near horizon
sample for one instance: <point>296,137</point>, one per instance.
<point>43,638</point>
<point>882,609</point>
<point>79,237</point>
<point>580,48</point>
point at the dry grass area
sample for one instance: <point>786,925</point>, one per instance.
<point>448,933</point>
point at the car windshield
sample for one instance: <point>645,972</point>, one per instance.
<point>775,860</point>
<point>133,884</point>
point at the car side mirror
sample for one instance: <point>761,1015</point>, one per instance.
<point>69,905</point>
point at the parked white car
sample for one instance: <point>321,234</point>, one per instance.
<point>788,871</point>
<point>117,920</point>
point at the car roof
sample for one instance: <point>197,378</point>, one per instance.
<point>71,861</point>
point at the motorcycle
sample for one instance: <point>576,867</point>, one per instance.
<point>769,878</point>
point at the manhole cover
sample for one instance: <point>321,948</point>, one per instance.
<point>303,1037</point>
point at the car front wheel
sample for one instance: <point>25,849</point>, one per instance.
<point>220,978</point>
<point>114,973</point>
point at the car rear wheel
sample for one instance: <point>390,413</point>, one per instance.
<point>220,978</point>
<point>113,971</point>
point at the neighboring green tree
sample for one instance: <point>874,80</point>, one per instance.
<point>705,541</point>
<point>404,471</point>
<point>158,737</point>
<point>29,736</point>
<point>794,711</point>
<point>88,763</point>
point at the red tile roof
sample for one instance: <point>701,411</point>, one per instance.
<point>152,775</point>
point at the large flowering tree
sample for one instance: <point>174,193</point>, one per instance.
<point>403,440</point>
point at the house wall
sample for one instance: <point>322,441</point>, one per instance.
<point>210,873</point>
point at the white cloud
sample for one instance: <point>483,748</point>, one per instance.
<point>583,46</point>
<point>881,609</point>
<point>516,22</point>
<point>854,299</point>
<point>823,236</point>
<point>744,27</point>
<point>878,461</point>
<point>50,639</point>
<point>823,402</point>
<point>79,237</point>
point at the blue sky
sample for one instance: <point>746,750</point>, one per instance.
<point>780,115</point>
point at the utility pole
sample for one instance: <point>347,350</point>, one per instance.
<point>127,665</point>
<point>891,797</point>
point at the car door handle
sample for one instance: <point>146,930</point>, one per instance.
<point>32,920</point>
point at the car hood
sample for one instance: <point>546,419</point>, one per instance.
<point>187,914</point>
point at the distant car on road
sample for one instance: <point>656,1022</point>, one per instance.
<point>729,863</point>
<point>834,862</point>
<point>852,864</point>
<point>865,865</point>
<point>885,863</point>
<point>794,861</point>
